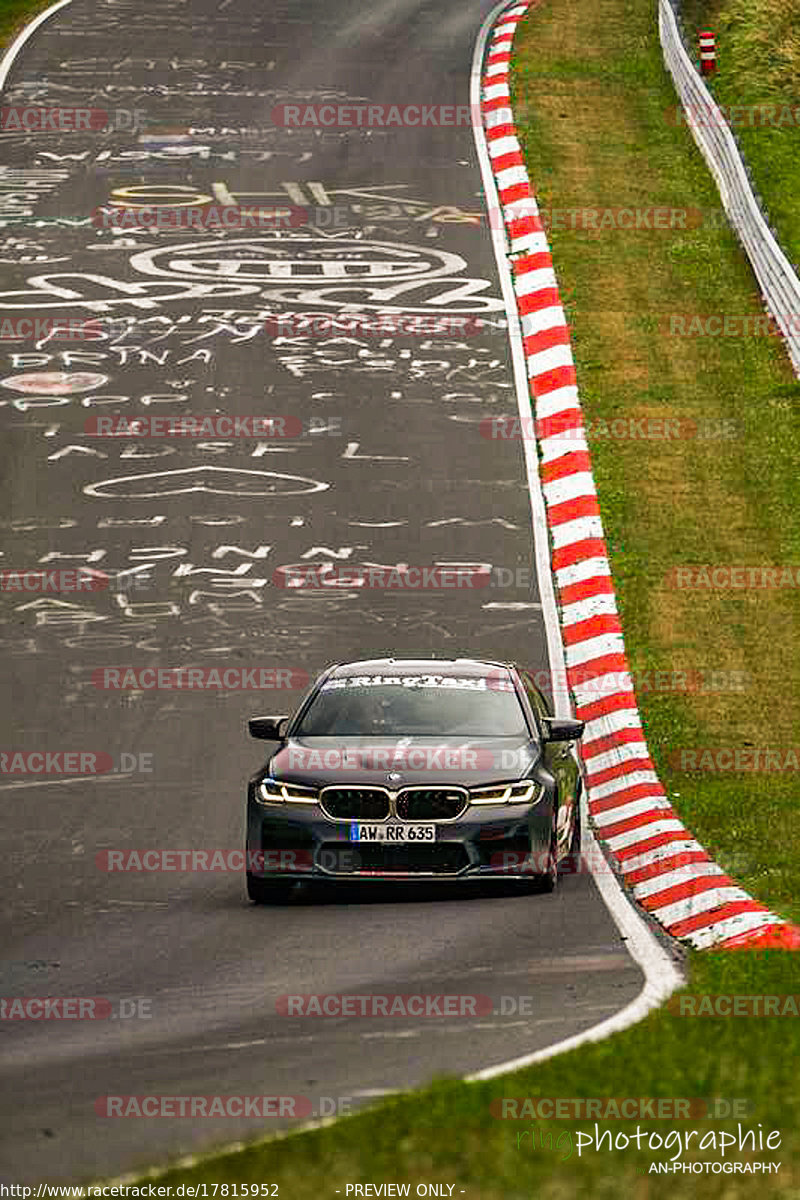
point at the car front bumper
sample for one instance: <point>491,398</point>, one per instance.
<point>295,842</point>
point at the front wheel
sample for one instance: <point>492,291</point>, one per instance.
<point>546,881</point>
<point>268,891</point>
<point>572,863</point>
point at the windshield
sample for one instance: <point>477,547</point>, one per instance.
<point>414,706</point>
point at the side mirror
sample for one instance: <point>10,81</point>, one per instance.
<point>270,729</point>
<point>563,729</point>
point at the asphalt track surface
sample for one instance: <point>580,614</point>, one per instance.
<point>408,479</point>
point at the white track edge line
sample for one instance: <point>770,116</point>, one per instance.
<point>7,61</point>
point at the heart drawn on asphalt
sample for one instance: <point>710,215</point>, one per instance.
<point>221,481</point>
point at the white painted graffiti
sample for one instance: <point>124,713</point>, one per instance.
<point>222,481</point>
<point>55,383</point>
<point>100,293</point>
<point>22,188</point>
<point>337,272</point>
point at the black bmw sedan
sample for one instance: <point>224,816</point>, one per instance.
<point>414,769</point>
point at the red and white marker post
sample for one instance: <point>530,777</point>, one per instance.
<point>708,53</point>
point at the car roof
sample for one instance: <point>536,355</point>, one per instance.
<point>453,667</point>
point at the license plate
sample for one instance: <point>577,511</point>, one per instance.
<point>392,833</point>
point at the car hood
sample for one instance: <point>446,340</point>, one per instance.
<point>350,762</point>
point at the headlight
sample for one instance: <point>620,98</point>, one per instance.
<point>273,791</point>
<point>524,791</point>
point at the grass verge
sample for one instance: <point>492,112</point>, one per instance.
<point>446,1134</point>
<point>591,99</point>
<point>758,63</point>
<point>15,15</point>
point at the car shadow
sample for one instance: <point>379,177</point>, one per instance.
<point>320,893</point>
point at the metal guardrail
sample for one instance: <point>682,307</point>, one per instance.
<point>776,278</point>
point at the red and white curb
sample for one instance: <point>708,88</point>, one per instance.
<point>667,870</point>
